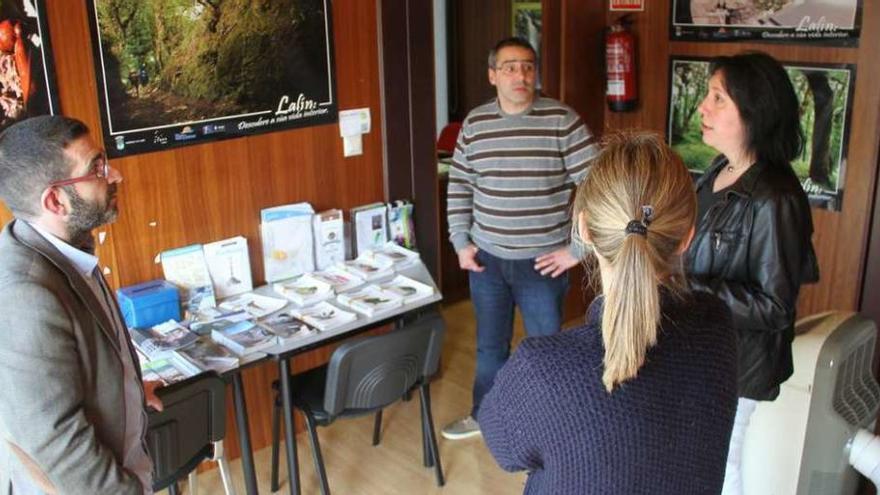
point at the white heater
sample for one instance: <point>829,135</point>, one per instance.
<point>800,443</point>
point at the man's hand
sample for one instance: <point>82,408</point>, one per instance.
<point>555,263</point>
<point>150,394</point>
<point>467,259</point>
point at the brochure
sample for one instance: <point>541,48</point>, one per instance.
<point>206,355</point>
<point>256,305</point>
<point>407,288</point>
<point>369,267</point>
<point>286,326</point>
<point>329,238</point>
<point>323,316</point>
<point>304,290</point>
<point>187,269</point>
<point>161,339</point>
<point>229,266</point>
<point>339,278</point>
<point>244,337</point>
<point>371,300</point>
<point>370,225</point>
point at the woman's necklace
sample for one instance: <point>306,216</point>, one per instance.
<point>731,169</point>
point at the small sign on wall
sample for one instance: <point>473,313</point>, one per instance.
<point>627,5</point>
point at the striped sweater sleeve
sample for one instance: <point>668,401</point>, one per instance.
<point>579,147</point>
<point>460,195</point>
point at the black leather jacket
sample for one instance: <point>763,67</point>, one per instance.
<point>753,250</point>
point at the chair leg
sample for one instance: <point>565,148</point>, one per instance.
<point>276,437</point>
<point>316,452</point>
<point>193,481</point>
<point>425,395</point>
<point>427,459</point>
<point>377,428</point>
<point>225,477</point>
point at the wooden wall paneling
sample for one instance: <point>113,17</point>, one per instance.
<point>582,81</point>
<point>407,67</point>
<point>423,135</point>
<point>551,47</point>
<point>479,26</point>
<point>841,262</point>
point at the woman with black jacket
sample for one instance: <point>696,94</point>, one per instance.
<point>753,245</point>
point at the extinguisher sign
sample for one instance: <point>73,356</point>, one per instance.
<point>627,5</point>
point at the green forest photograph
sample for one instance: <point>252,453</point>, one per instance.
<point>170,62</point>
<point>824,93</point>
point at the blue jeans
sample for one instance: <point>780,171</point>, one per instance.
<point>494,292</point>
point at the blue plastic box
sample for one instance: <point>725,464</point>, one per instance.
<point>150,303</point>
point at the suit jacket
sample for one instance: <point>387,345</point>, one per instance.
<point>61,374</point>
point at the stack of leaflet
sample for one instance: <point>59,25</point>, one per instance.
<point>369,227</point>
<point>408,289</point>
<point>400,257</point>
<point>304,290</point>
<point>256,305</point>
<point>371,300</point>
<point>369,267</point>
<point>401,229</point>
<point>161,339</point>
<point>243,337</point>
<point>187,269</point>
<point>286,326</point>
<point>329,238</point>
<point>229,266</point>
<point>165,370</point>
<point>206,322</point>
<point>323,316</point>
<point>339,278</point>
<point>204,355</point>
<point>288,245</point>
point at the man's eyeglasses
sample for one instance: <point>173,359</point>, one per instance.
<point>101,171</point>
<point>512,67</point>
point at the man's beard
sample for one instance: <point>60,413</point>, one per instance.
<point>86,216</point>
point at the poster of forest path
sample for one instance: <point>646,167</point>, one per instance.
<point>155,105</point>
<point>241,64</point>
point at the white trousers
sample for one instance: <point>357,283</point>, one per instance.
<point>733,474</point>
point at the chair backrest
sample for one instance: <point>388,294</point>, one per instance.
<point>372,372</point>
<point>181,435</point>
<point>448,137</point>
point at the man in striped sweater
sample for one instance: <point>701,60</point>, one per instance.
<point>517,161</point>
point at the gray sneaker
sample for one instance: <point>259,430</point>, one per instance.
<point>461,428</point>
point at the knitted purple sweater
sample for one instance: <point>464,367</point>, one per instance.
<point>664,432</point>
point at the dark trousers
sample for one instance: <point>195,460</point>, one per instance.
<point>494,292</point>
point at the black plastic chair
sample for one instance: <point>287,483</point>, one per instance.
<point>363,376</point>
<point>189,430</point>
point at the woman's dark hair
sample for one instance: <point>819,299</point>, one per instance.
<point>767,104</point>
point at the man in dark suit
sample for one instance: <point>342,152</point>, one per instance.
<point>72,416</point>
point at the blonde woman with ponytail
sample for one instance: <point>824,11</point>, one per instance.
<point>641,398</point>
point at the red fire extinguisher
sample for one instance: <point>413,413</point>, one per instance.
<point>620,61</point>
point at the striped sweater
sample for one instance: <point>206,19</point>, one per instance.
<point>513,176</point>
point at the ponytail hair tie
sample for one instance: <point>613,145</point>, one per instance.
<point>636,227</point>
<point>640,227</point>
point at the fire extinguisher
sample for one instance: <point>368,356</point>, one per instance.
<point>620,61</point>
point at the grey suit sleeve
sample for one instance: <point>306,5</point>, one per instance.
<point>42,409</point>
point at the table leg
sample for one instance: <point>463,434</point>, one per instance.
<point>289,425</point>
<point>244,436</point>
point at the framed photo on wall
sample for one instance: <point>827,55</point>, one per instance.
<point>834,22</point>
<point>525,22</point>
<point>825,93</point>
<point>173,73</point>
<point>27,72</point>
